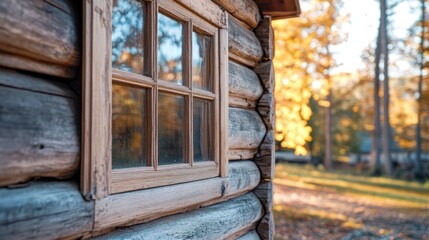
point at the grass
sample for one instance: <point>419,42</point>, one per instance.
<point>323,213</point>
<point>384,190</point>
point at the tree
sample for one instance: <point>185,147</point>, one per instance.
<point>419,169</point>
<point>304,57</point>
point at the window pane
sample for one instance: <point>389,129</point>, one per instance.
<point>170,47</point>
<point>201,61</point>
<point>203,134</point>
<point>129,117</point>
<point>171,129</point>
<point>127,35</point>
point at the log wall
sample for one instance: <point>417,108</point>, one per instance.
<point>53,209</point>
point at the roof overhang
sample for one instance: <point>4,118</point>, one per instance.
<point>279,9</point>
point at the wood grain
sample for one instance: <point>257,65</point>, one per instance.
<point>265,157</point>
<point>27,64</point>
<point>39,129</point>
<point>265,71</point>
<point>224,99</point>
<point>207,10</point>
<point>246,129</point>
<point>244,86</point>
<point>96,102</point>
<point>44,210</point>
<point>145,205</point>
<point>265,33</point>
<point>245,10</point>
<point>213,222</point>
<point>266,227</point>
<point>243,43</point>
<point>41,31</point>
<point>242,154</point>
<point>252,235</point>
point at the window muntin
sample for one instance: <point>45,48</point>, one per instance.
<point>177,149</point>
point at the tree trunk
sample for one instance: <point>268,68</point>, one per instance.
<point>375,154</point>
<point>418,170</point>
<point>386,125</point>
<point>328,133</point>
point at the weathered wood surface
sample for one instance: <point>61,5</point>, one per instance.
<point>264,191</point>
<point>265,33</point>
<point>213,222</point>
<point>208,10</point>
<point>23,63</point>
<point>241,154</point>
<point>266,226</point>
<point>44,210</point>
<point>244,86</point>
<point>243,44</point>
<point>96,100</point>
<point>39,129</point>
<point>266,109</point>
<point>265,71</point>
<point>246,129</point>
<point>223,105</point>
<point>145,205</point>
<point>245,10</point>
<point>265,158</point>
<point>42,30</point>
<point>252,235</point>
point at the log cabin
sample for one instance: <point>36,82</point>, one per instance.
<point>137,119</point>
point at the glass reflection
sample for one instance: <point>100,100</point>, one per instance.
<point>171,129</point>
<point>129,148</point>
<point>201,61</point>
<point>203,137</point>
<point>170,49</point>
<point>127,35</point>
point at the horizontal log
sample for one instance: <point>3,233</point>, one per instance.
<point>244,85</point>
<point>44,210</point>
<point>243,45</point>
<point>208,10</point>
<point>45,31</point>
<point>39,129</point>
<point>148,204</point>
<point>245,10</point>
<point>213,222</point>
<point>246,129</point>
<point>252,235</point>
<point>27,64</point>
<point>242,154</point>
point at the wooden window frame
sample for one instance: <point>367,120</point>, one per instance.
<point>98,179</point>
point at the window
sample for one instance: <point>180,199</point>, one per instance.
<point>165,106</point>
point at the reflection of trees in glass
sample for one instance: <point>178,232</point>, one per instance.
<point>128,35</point>
<point>202,136</point>
<point>171,129</point>
<point>201,45</point>
<point>170,49</point>
<point>128,127</point>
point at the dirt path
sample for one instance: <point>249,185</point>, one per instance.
<point>325,214</point>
